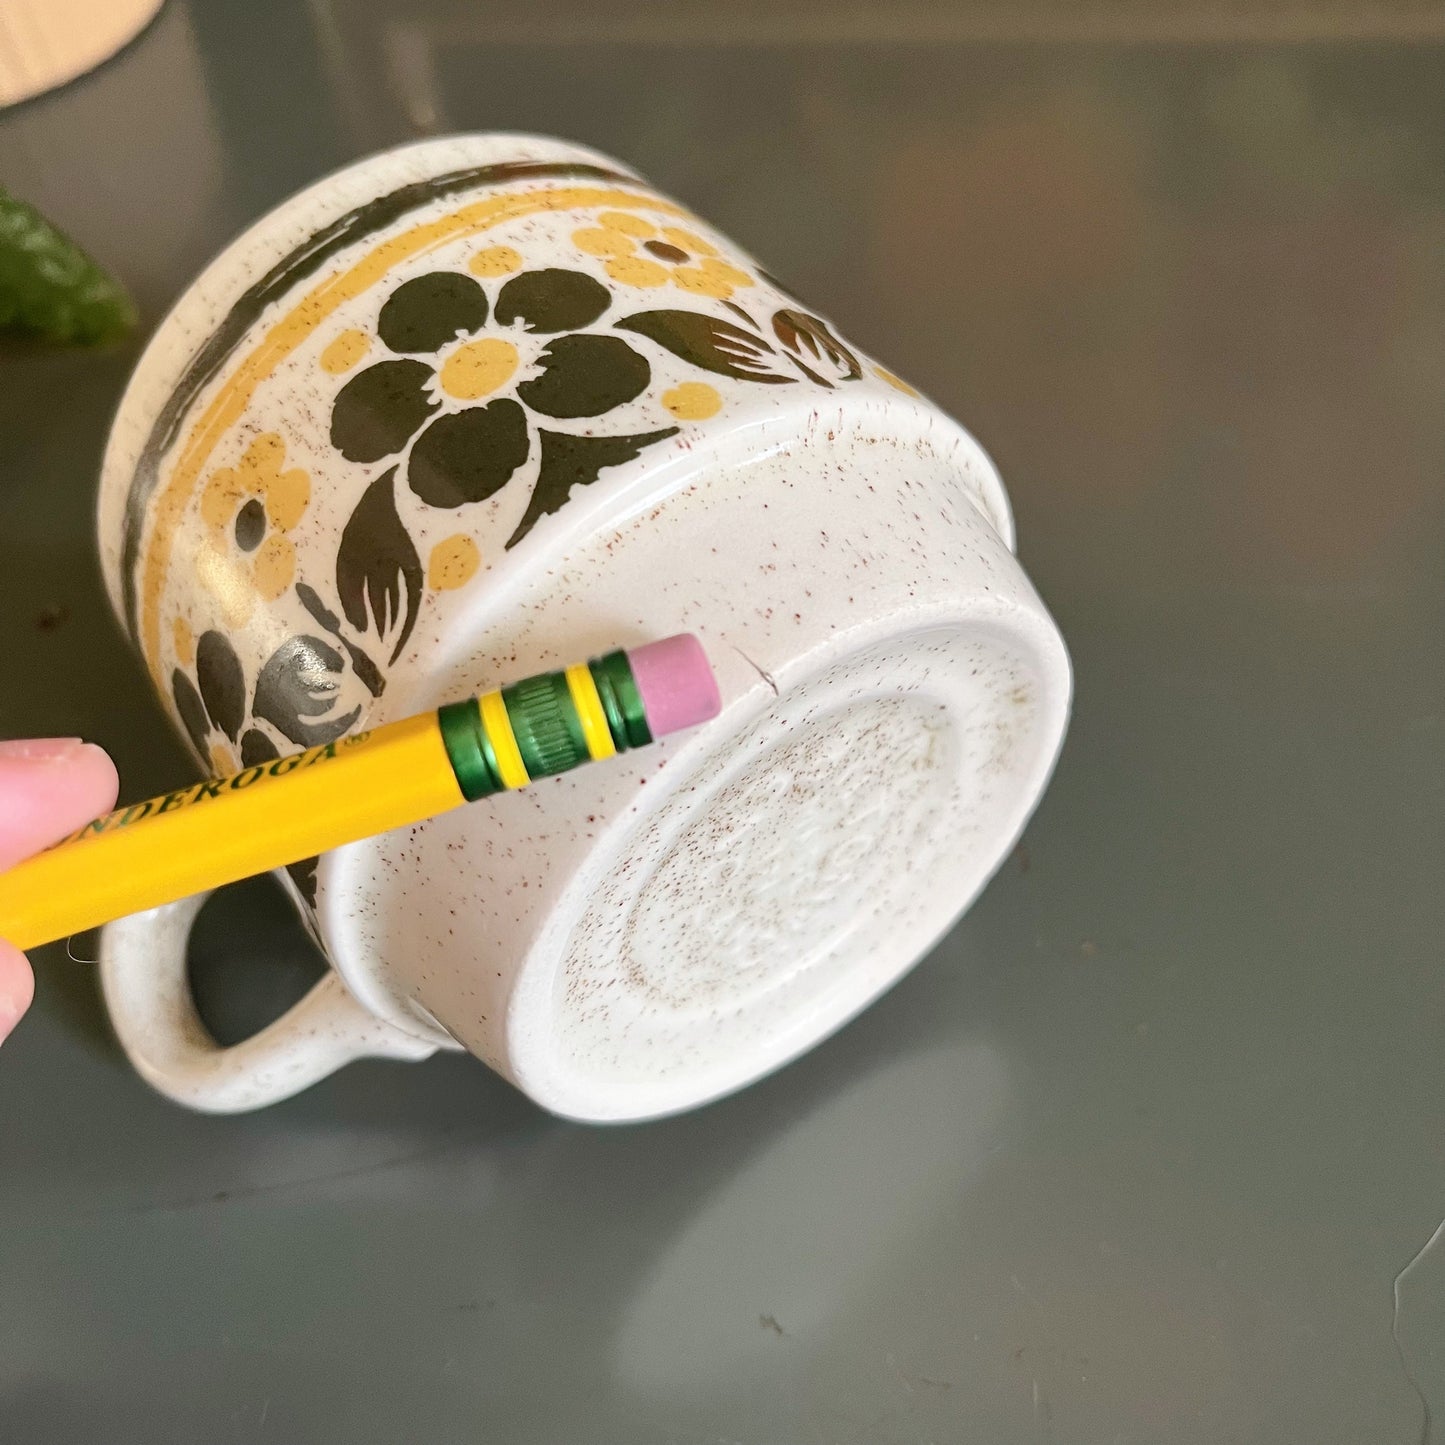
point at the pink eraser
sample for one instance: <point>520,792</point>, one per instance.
<point>676,682</point>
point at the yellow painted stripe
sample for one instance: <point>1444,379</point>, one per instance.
<point>498,728</point>
<point>589,709</point>
<point>233,397</point>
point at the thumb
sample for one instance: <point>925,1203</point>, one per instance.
<point>17,988</point>
<point>48,788</point>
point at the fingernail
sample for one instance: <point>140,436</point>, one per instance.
<point>39,750</point>
<point>10,1012</point>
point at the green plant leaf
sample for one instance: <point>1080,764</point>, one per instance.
<point>50,288</point>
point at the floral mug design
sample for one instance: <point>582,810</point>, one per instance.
<point>447,377</point>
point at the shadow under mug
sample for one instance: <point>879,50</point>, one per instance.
<point>483,406</point>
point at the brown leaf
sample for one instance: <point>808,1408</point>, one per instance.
<point>378,572</point>
<point>223,683</point>
<point>711,343</point>
<point>572,461</point>
<point>807,335</point>
<point>302,680</point>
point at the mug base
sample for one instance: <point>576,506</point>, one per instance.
<point>796,868</point>
<point>665,928</point>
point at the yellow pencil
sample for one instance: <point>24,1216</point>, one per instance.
<point>279,812</point>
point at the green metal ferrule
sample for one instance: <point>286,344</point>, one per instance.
<point>468,750</point>
<point>545,723</point>
<point>621,701</point>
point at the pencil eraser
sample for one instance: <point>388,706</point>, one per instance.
<point>676,682</point>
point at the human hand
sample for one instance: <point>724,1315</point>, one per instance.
<point>48,787</point>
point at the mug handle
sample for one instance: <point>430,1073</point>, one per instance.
<point>148,995</point>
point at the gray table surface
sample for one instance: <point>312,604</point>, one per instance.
<point>1151,1148</point>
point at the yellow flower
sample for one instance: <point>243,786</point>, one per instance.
<point>637,253</point>
<point>248,509</point>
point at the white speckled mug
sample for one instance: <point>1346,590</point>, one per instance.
<point>482,406</point>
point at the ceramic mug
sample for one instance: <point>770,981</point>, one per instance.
<point>482,406</point>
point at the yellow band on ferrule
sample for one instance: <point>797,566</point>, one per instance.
<point>498,728</point>
<point>585,698</point>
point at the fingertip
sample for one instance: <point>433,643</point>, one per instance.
<point>98,775</point>
<point>17,988</point>
<point>50,788</point>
